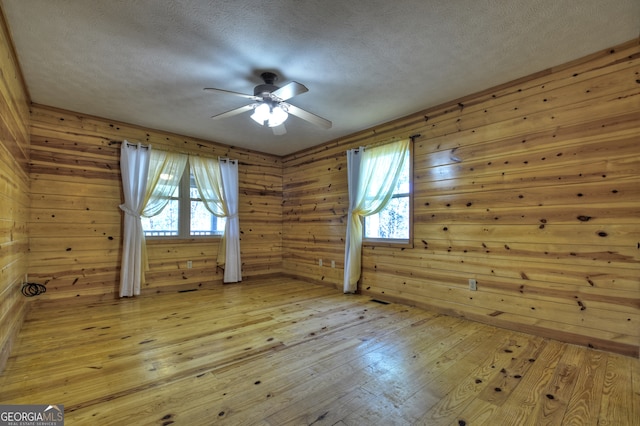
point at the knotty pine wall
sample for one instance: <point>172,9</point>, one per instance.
<point>532,188</point>
<point>14,193</point>
<point>75,223</point>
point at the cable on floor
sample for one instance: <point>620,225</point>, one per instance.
<point>33,289</point>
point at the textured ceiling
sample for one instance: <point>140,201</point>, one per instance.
<point>365,62</point>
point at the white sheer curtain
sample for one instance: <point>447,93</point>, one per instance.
<point>134,167</point>
<point>217,183</point>
<point>372,175</point>
<point>233,262</point>
<point>149,178</point>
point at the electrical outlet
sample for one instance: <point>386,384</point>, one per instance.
<point>189,264</point>
<point>333,263</point>
<point>472,284</point>
<point>319,262</point>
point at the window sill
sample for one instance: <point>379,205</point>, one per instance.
<point>387,243</point>
<point>182,240</point>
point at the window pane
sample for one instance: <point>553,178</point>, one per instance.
<point>163,224</point>
<point>162,188</point>
<point>392,222</point>
<point>193,189</point>
<point>402,187</point>
<point>203,222</point>
<point>199,223</point>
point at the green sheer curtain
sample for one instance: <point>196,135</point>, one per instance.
<point>373,173</point>
<point>206,173</point>
<point>165,172</point>
<point>217,182</point>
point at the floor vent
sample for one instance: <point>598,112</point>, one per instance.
<point>382,302</point>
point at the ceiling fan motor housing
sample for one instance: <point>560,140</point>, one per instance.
<point>264,89</point>
<point>268,86</point>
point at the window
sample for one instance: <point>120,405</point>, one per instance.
<point>184,216</point>
<point>393,223</point>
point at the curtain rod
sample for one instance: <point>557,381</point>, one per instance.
<point>393,139</point>
<point>136,145</point>
<point>198,154</point>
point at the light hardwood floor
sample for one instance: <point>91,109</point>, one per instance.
<point>283,352</point>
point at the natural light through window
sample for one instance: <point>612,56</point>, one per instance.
<point>394,221</point>
<point>184,217</point>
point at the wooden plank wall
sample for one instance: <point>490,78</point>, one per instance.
<point>14,193</point>
<point>531,188</point>
<point>76,225</point>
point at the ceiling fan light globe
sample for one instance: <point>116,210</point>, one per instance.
<point>261,114</point>
<point>278,116</point>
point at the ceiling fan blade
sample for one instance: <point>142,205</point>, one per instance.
<point>234,112</point>
<point>229,92</point>
<point>306,115</point>
<point>290,90</point>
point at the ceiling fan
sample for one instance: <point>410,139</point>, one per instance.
<point>270,108</point>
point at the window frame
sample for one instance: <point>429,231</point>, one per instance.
<point>184,213</point>
<point>395,242</point>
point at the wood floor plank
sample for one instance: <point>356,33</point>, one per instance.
<point>278,351</point>
<point>434,384</point>
<point>584,405</point>
<point>486,361</point>
<point>635,404</point>
<point>506,366</point>
<point>377,410</point>
<point>528,394</point>
<point>552,408</point>
<point>373,337</point>
<point>502,386</point>
<point>386,389</point>
<point>618,400</point>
